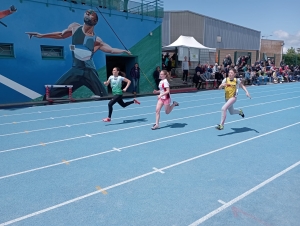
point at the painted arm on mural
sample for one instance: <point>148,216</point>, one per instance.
<point>7,12</point>
<point>100,45</point>
<point>56,35</point>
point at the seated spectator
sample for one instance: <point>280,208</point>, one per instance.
<point>248,76</point>
<point>274,76</point>
<point>197,80</point>
<point>291,76</point>
<point>280,76</point>
<point>215,69</point>
<point>198,68</point>
<point>219,76</point>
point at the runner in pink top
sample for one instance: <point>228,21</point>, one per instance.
<point>164,97</point>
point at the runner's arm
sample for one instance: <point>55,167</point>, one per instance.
<point>128,83</point>
<point>165,93</point>
<point>244,88</point>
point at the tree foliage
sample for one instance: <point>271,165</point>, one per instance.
<point>292,56</point>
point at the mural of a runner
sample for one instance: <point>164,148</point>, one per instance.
<point>84,44</point>
<point>7,12</point>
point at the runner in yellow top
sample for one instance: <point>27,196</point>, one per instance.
<point>231,85</point>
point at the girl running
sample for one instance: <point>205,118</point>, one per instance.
<point>115,81</point>
<point>164,97</point>
<point>231,85</point>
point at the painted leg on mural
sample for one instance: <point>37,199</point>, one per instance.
<point>91,80</point>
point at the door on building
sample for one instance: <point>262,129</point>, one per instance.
<point>125,63</point>
<point>240,54</point>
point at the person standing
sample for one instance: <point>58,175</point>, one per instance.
<point>185,70</point>
<point>125,7</point>
<point>156,76</point>
<point>135,75</point>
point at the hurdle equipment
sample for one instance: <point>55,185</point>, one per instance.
<point>49,87</point>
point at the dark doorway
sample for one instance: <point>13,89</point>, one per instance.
<point>125,63</point>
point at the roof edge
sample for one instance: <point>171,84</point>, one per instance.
<point>181,11</point>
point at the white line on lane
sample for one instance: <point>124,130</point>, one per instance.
<point>97,106</point>
<point>134,145</point>
<point>168,167</point>
<point>230,203</point>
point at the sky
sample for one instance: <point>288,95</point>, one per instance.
<point>279,18</point>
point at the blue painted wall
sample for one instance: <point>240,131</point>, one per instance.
<point>29,69</point>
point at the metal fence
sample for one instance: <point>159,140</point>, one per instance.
<point>151,8</point>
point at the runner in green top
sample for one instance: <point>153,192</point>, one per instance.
<point>115,82</point>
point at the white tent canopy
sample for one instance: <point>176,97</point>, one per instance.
<point>188,46</point>
<point>188,42</point>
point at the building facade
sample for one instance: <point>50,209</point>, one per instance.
<point>226,37</point>
<point>30,61</point>
<point>272,49</point>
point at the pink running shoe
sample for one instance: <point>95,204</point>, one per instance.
<point>136,101</point>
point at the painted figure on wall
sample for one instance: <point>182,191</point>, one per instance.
<point>7,12</point>
<point>84,44</point>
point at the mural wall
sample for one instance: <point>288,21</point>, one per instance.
<point>46,44</point>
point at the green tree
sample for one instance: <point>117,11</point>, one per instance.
<point>292,50</point>
<point>292,57</point>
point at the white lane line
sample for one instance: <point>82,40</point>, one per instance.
<point>219,96</point>
<point>158,170</point>
<point>98,112</point>
<point>36,145</point>
<point>240,197</point>
<point>180,109</point>
<point>117,130</point>
<point>87,135</point>
<point>222,202</point>
<point>117,149</point>
<point>168,167</point>
<point>177,95</point>
<point>55,164</point>
<point>97,106</point>
<point>142,143</point>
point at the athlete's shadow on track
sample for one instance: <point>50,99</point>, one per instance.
<point>174,125</point>
<point>239,130</point>
<point>129,121</point>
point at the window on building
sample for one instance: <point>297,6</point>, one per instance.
<point>6,50</point>
<point>52,52</point>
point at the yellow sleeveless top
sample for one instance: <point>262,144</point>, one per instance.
<point>230,88</point>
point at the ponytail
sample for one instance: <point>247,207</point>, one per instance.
<point>168,76</point>
<point>121,73</point>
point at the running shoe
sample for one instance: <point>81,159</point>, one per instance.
<point>106,120</point>
<point>155,127</point>
<point>241,113</point>
<point>219,127</point>
<point>136,101</point>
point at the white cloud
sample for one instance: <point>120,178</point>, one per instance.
<point>281,34</point>
<point>290,40</point>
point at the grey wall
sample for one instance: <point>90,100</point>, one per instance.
<point>182,23</point>
<point>165,28</point>
<point>233,36</point>
<point>205,30</point>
